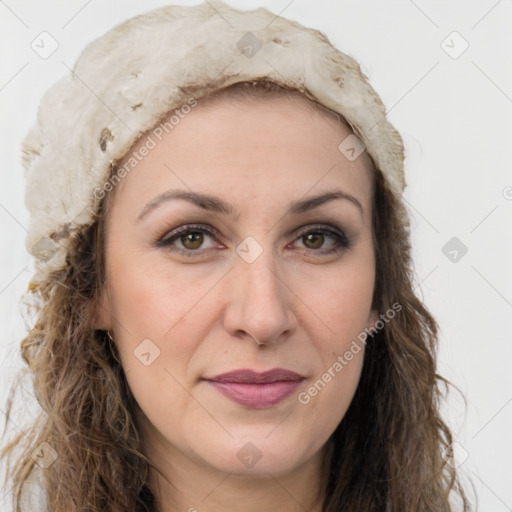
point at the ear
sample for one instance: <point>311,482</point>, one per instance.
<point>373,317</point>
<point>102,318</point>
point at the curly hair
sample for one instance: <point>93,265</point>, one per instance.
<point>387,453</point>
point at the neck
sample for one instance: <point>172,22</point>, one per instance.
<point>179,489</point>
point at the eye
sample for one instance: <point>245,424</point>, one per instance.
<point>314,239</point>
<point>189,239</point>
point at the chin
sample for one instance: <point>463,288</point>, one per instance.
<point>258,455</point>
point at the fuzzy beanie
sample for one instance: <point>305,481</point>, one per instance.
<point>125,82</point>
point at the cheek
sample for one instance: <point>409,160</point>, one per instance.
<point>342,302</point>
<point>339,299</point>
<point>330,393</point>
<point>344,308</point>
<point>148,301</point>
<point>152,307</point>
<point>152,294</point>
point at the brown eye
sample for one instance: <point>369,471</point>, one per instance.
<point>313,240</point>
<point>192,239</point>
<point>189,240</point>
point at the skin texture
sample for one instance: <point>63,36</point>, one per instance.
<point>290,308</point>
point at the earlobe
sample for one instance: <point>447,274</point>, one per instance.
<point>372,319</point>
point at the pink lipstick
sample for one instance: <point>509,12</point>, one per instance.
<point>257,390</point>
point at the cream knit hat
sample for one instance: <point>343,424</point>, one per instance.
<point>126,81</point>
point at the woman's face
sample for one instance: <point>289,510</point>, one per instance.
<point>265,277</point>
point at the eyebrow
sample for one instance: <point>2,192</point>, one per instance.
<point>216,204</point>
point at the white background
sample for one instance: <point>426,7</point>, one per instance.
<point>455,117</point>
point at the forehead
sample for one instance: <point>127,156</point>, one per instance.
<point>278,145</point>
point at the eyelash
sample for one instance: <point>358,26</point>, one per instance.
<point>341,239</point>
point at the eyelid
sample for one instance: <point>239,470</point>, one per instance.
<point>175,233</point>
<point>338,234</point>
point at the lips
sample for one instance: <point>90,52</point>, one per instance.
<point>256,390</point>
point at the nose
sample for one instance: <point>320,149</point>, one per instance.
<point>260,304</point>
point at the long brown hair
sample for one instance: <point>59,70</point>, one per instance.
<point>386,453</point>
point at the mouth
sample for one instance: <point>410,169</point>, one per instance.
<point>256,390</point>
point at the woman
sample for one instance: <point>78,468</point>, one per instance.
<point>226,317</point>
